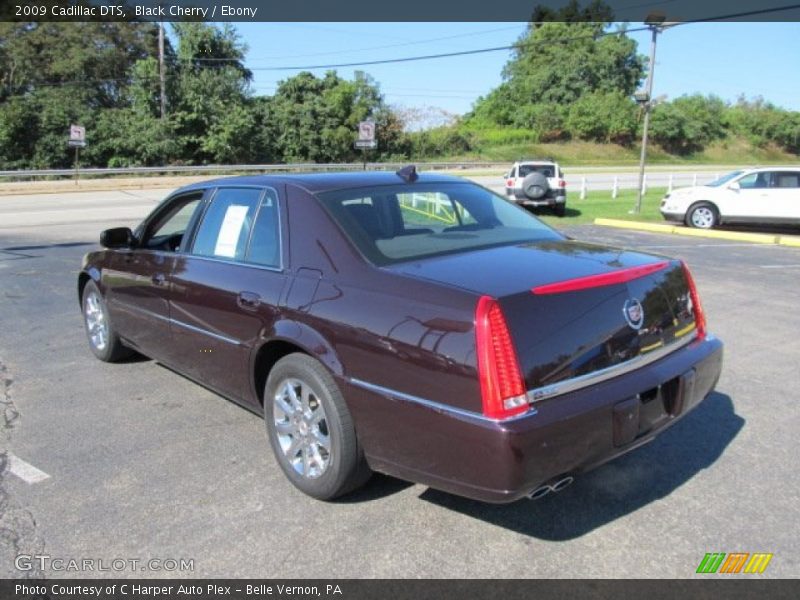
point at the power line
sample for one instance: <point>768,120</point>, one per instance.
<point>335,52</point>
<point>740,15</point>
<point>532,43</point>
<point>449,54</point>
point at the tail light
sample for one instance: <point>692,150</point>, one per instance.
<point>502,386</point>
<point>562,183</point>
<point>510,183</point>
<point>699,315</point>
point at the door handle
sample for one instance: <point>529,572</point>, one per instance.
<point>248,300</point>
<point>159,279</point>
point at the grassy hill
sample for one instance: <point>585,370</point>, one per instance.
<point>732,151</point>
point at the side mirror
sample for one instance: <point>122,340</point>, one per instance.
<point>735,186</point>
<point>117,237</point>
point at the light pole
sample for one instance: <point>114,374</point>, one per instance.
<point>162,84</point>
<point>645,98</point>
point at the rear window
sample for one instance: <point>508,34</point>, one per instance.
<point>391,224</point>
<point>546,170</point>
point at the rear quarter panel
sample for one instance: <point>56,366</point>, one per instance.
<point>385,328</point>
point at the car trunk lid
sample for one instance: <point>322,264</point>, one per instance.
<point>573,308</point>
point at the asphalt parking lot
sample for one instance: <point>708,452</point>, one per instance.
<point>133,461</point>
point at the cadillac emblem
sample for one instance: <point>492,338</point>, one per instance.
<point>634,313</point>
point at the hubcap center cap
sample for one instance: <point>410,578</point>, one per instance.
<point>302,427</point>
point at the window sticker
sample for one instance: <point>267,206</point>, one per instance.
<point>230,231</point>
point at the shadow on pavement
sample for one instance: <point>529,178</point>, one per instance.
<point>619,487</point>
<point>379,486</point>
<point>47,246</point>
<point>763,228</point>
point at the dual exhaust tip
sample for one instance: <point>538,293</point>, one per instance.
<point>554,485</point>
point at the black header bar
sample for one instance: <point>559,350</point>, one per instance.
<point>634,11</point>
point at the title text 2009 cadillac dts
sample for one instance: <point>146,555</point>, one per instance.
<point>415,325</point>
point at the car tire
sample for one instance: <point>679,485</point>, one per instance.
<point>560,210</point>
<point>702,215</point>
<point>103,339</point>
<point>310,429</point>
<point>535,185</point>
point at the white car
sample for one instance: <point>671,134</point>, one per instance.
<point>533,183</point>
<point>764,195</point>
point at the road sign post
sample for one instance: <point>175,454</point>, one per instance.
<point>77,140</point>
<point>366,138</point>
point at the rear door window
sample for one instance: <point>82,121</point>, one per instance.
<point>265,247</point>
<point>786,179</point>
<point>225,229</point>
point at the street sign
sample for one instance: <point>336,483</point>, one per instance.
<point>77,136</point>
<point>366,144</point>
<point>77,133</point>
<point>366,131</point>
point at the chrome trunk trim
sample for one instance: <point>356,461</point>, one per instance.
<point>575,383</point>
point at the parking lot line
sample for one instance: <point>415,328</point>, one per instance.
<point>25,471</point>
<point>796,266</point>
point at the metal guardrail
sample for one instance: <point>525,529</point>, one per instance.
<point>202,169</point>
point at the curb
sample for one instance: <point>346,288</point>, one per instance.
<point>739,236</point>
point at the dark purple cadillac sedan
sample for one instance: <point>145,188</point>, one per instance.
<point>419,326</point>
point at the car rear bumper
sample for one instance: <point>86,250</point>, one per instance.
<point>523,200</point>
<point>503,461</point>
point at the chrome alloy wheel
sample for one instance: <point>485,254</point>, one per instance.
<point>96,323</point>
<point>302,428</point>
<point>702,217</point>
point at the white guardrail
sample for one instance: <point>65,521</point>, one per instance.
<point>579,179</point>
<point>203,169</point>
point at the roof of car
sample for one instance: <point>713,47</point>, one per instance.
<point>779,168</point>
<point>323,182</point>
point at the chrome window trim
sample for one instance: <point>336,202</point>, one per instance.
<point>559,388</point>
<point>234,262</point>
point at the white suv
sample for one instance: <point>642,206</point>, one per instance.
<point>765,195</point>
<point>537,183</point>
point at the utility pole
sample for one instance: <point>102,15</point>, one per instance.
<point>161,74</point>
<point>656,24</point>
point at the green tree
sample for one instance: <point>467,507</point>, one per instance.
<point>55,74</point>
<point>603,117</point>
<point>316,118</point>
<point>762,122</point>
<point>557,63</point>
<point>689,123</point>
<point>210,94</point>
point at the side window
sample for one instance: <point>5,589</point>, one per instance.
<point>749,181</point>
<point>788,179</point>
<point>166,231</point>
<point>264,248</point>
<point>226,225</point>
